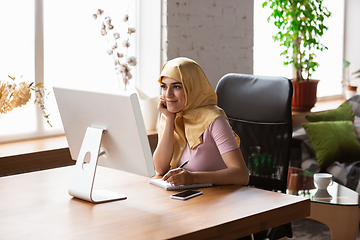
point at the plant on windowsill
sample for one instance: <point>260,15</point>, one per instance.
<point>14,95</point>
<point>301,25</point>
<point>350,89</point>
<point>123,63</point>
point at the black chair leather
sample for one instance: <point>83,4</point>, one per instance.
<point>354,102</point>
<point>259,111</point>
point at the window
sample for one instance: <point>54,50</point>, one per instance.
<point>66,49</point>
<point>75,51</point>
<point>17,59</point>
<point>266,52</point>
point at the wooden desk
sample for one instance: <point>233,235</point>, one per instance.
<point>37,206</point>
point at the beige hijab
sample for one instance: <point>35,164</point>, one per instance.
<point>200,107</point>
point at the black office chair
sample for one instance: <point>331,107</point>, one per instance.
<point>259,111</point>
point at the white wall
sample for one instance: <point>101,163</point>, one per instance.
<point>217,34</point>
<point>352,36</point>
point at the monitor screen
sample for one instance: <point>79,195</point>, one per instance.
<point>124,142</point>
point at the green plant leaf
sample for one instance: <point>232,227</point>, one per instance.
<point>346,64</point>
<point>301,24</point>
<point>358,71</point>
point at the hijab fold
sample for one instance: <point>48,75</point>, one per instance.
<point>200,106</point>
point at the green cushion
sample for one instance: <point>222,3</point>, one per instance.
<point>333,141</point>
<point>344,112</point>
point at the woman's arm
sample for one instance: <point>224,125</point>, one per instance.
<point>164,150</point>
<point>235,173</point>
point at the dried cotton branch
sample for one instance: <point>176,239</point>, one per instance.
<point>122,62</point>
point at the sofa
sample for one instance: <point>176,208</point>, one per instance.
<point>330,142</point>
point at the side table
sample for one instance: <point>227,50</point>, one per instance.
<point>340,212</point>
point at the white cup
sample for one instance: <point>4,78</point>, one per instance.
<point>322,180</point>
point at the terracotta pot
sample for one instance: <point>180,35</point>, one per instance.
<point>351,88</point>
<point>350,91</point>
<point>304,95</point>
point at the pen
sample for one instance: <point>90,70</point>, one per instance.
<point>181,166</point>
<point>184,163</point>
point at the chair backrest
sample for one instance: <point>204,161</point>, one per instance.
<point>354,102</point>
<point>259,111</point>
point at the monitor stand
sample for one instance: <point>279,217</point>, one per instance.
<point>82,182</point>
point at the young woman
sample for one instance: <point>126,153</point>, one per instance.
<point>195,130</point>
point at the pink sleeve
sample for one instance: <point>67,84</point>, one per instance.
<point>223,135</point>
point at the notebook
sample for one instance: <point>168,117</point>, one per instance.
<point>167,186</point>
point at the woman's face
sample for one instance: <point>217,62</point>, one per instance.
<point>173,93</point>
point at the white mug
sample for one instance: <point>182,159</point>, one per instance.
<point>322,180</point>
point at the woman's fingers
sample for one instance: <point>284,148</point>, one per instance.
<point>177,177</point>
<point>170,174</point>
<point>161,104</point>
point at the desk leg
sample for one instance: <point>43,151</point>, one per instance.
<point>343,221</point>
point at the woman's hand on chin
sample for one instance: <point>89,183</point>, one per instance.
<point>163,108</point>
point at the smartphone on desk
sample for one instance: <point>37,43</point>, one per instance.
<point>184,195</point>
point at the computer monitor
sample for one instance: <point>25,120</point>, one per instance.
<point>103,129</point>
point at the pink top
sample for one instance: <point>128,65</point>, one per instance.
<point>218,139</point>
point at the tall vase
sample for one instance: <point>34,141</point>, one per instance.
<point>149,109</point>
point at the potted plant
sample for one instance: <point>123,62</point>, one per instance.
<point>300,24</point>
<point>350,90</point>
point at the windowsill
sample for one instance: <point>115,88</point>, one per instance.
<point>40,154</point>
<point>49,143</point>
<point>31,146</point>
<point>59,142</point>
<point>321,106</point>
